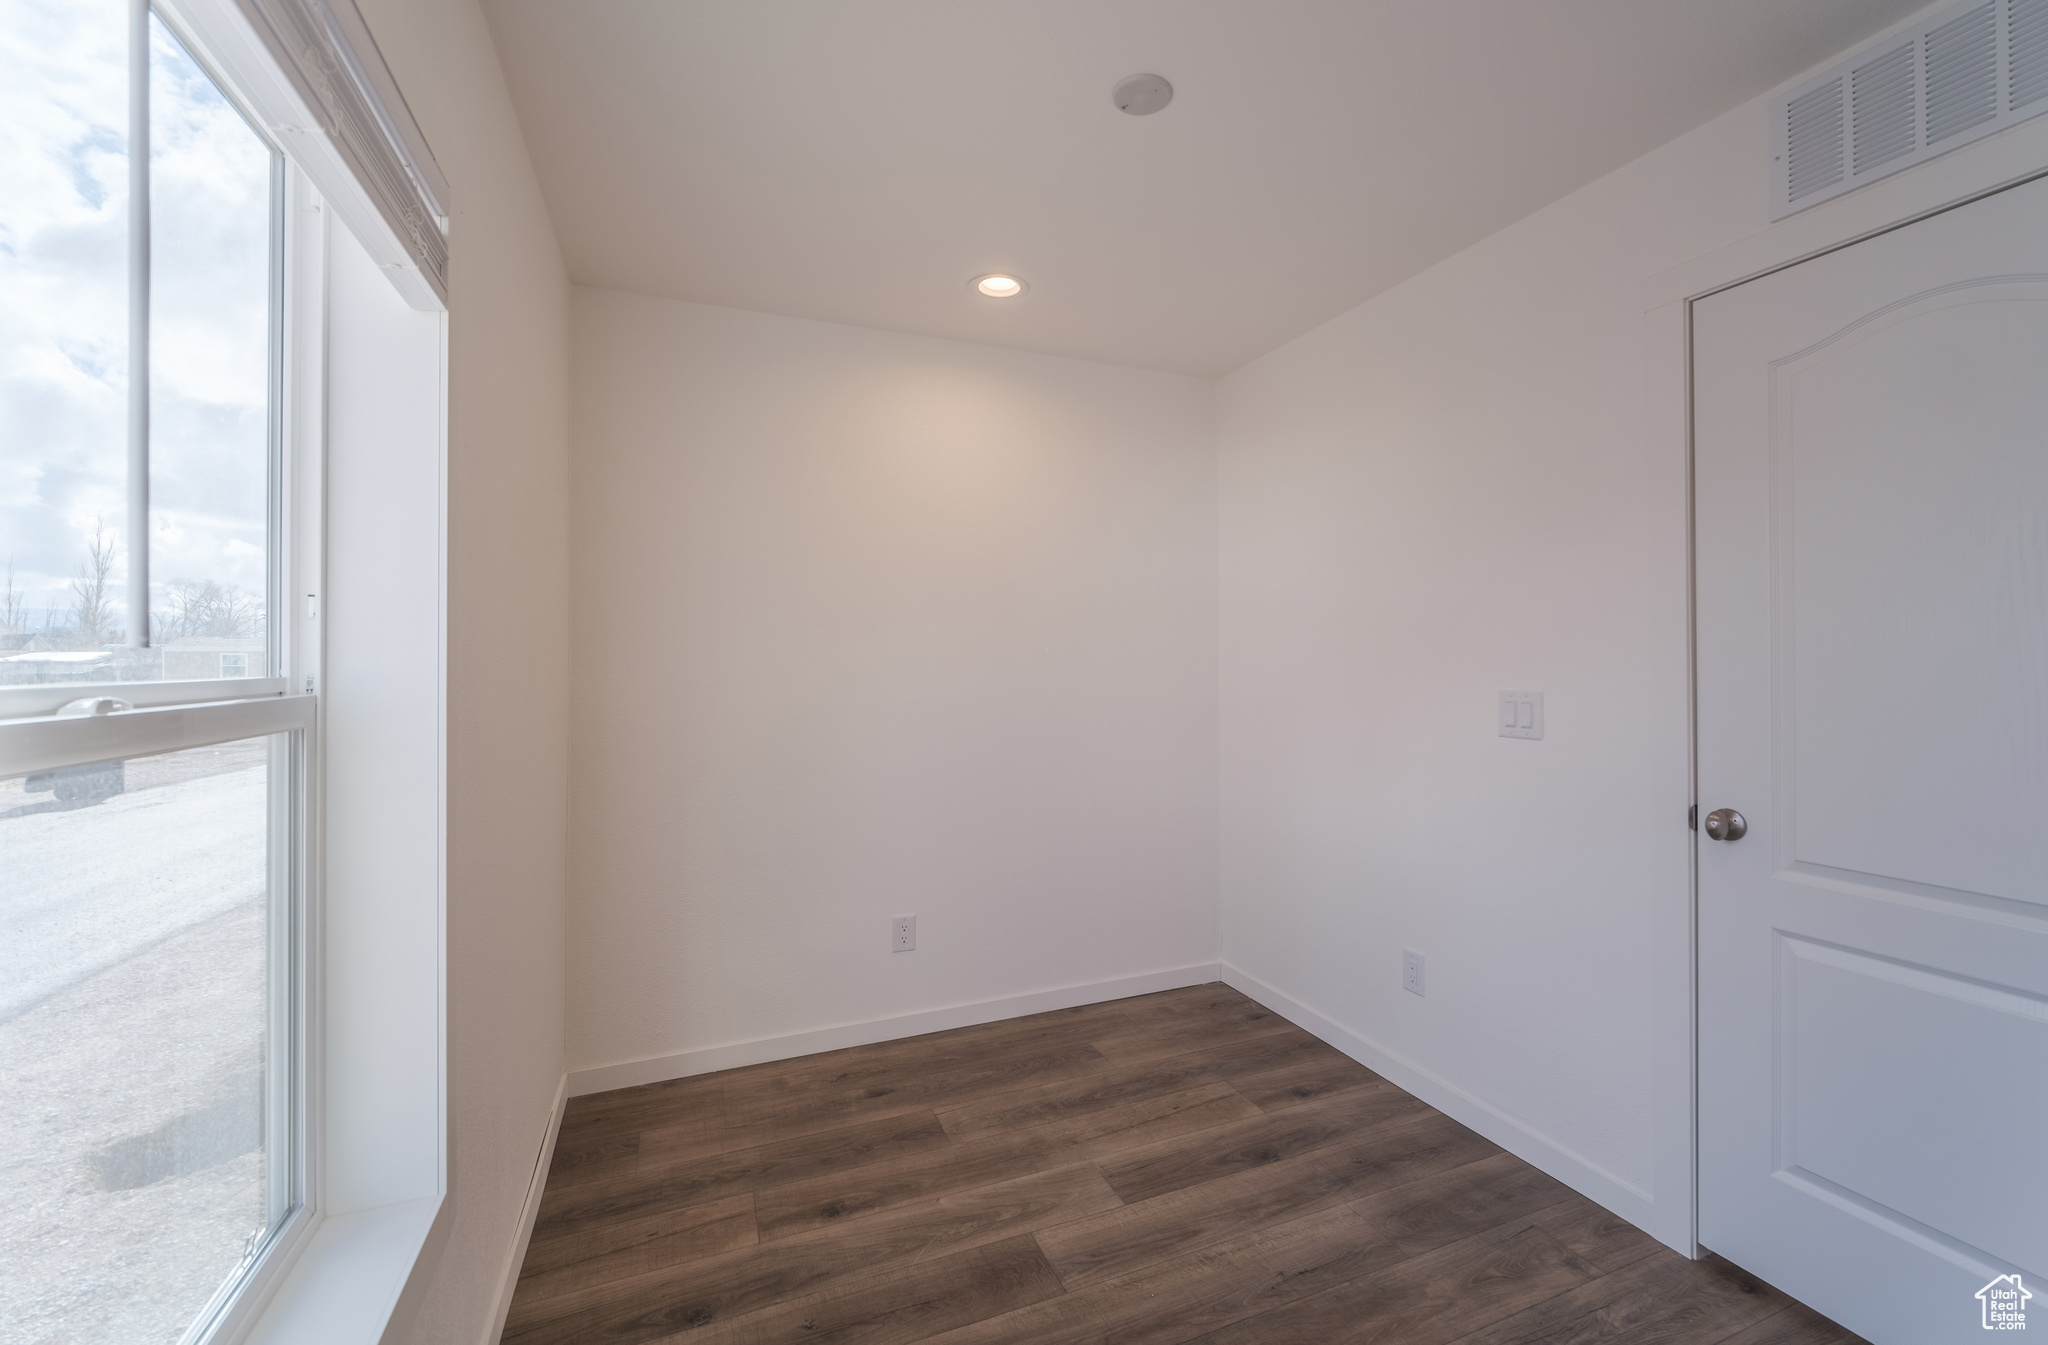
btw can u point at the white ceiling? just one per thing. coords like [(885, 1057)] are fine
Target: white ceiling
[(861, 160)]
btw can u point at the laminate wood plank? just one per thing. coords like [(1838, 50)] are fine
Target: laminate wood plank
[(1427, 1300), (1056, 1028), (1163, 1120), (1598, 1234), (1180, 1297), (1794, 1324), (1281, 1054), (764, 1167), (1101, 1247), (593, 1157), (721, 1288), (883, 1073), (934, 1088), (1040, 1101), (1168, 1008), (1249, 1273), (944, 1076), (895, 1063), (601, 1250), (1490, 1193), (660, 1147), (624, 1111), (1301, 1081), (912, 1304), (1259, 1053), (628, 1109), (844, 1071), (1085, 1020), (817, 1111), (1659, 1300), (1242, 1276), (1202, 1026), (1263, 1139), (729, 1101), (945, 1065), (846, 1196)]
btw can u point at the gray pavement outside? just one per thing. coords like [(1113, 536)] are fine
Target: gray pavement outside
[(133, 951)]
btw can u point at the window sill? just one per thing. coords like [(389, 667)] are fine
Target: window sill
[(345, 1284)]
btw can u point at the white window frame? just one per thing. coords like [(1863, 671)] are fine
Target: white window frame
[(365, 980), (169, 716), (50, 741)]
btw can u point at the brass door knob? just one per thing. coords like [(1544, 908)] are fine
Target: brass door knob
[(1725, 824)]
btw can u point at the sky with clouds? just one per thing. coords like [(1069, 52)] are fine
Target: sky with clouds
[(63, 308)]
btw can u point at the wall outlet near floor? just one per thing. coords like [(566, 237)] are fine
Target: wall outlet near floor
[(1521, 714), (903, 934), (1411, 972)]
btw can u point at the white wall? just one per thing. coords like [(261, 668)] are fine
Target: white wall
[(507, 563), (1475, 483), (1446, 493), (869, 624)]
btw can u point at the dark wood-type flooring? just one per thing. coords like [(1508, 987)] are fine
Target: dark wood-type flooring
[(1185, 1166)]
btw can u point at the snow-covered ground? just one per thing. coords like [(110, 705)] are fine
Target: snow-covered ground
[(133, 951)]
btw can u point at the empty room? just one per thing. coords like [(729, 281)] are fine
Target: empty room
[(1023, 672)]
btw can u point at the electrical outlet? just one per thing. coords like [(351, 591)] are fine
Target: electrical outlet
[(1521, 714), (903, 934), (1411, 972)]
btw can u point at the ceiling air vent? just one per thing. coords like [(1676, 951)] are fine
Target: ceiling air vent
[(1962, 73), (1882, 108), (1965, 72), (1813, 139), (2026, 28)]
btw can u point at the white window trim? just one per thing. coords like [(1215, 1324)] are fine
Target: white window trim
[(342, 1280), (223, 38), (47, 698), (47, 742)]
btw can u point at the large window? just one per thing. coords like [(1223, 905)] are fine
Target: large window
[(136, 361), (153, 774), (137, 1041)]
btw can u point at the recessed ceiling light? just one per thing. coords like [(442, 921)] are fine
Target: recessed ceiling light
[(998, 286), (1141, 95)]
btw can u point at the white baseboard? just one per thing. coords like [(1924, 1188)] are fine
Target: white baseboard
[(528, 1213), (1588, 1179), (654, 1069)]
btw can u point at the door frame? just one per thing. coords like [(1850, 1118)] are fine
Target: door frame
[(2007, 159)]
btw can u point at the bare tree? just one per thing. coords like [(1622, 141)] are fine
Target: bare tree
[(92, 593), (13, 604), (208, 607)]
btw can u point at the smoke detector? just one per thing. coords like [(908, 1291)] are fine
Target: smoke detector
[(1141, 95)]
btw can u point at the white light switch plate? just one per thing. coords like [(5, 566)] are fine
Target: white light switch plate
[(1521, 714)]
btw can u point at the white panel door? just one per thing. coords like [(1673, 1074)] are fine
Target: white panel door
[(1871, 435)]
